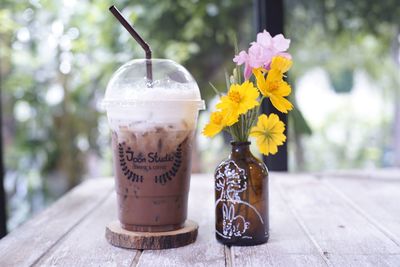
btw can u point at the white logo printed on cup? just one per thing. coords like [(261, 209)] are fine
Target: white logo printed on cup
[(131, 161)]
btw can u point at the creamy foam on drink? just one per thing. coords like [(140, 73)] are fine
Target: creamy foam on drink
[(154, 105), (152, 133)]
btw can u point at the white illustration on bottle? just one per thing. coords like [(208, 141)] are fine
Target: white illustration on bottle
[(231, 182), (233, 225)]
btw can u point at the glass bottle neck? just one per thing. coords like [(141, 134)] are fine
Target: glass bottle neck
[(240, 149)]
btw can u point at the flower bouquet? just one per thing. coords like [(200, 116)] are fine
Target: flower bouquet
[(241, 181)]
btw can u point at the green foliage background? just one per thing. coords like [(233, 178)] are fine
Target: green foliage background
[(56, 59), (342, 38)]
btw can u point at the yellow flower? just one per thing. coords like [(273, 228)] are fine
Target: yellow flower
[(218, 120), (268, 133), (281, 64), (274, 87), (239, 100)]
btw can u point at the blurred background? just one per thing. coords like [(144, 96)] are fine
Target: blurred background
[(56, 58)]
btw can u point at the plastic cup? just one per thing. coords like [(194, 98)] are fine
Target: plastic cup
[(152, 124)]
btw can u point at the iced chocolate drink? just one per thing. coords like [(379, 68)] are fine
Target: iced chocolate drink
[(152, 136), (152, 171)]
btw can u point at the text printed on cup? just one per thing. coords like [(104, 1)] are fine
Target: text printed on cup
[(132, 163)]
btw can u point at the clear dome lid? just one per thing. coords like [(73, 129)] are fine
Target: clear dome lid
[(171, 82)]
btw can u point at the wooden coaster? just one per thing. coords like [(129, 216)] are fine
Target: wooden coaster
[(119, 237)]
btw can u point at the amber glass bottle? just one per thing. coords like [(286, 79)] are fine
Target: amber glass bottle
[(241, 198)]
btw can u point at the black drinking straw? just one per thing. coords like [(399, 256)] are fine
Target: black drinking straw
[(138, 39)]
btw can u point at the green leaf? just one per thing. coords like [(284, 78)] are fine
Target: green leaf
[(300, 125), (215, 89)]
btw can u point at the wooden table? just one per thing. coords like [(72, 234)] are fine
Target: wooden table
[(330, 219)]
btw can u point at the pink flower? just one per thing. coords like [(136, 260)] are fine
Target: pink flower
[(280, 43), (277, 44), (264, 39), (262, 51), (258, 55), (243, 58)]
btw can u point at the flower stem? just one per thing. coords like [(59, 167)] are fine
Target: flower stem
[(242, 130), (260, 106)]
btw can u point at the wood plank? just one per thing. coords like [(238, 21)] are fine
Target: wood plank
[(345, 236), (288, 245), (86, 244), (359, 260), (376, 200), (389, 174), (25, 245), (206, 251)]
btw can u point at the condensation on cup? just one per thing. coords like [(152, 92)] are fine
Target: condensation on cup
[(152, 125)]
